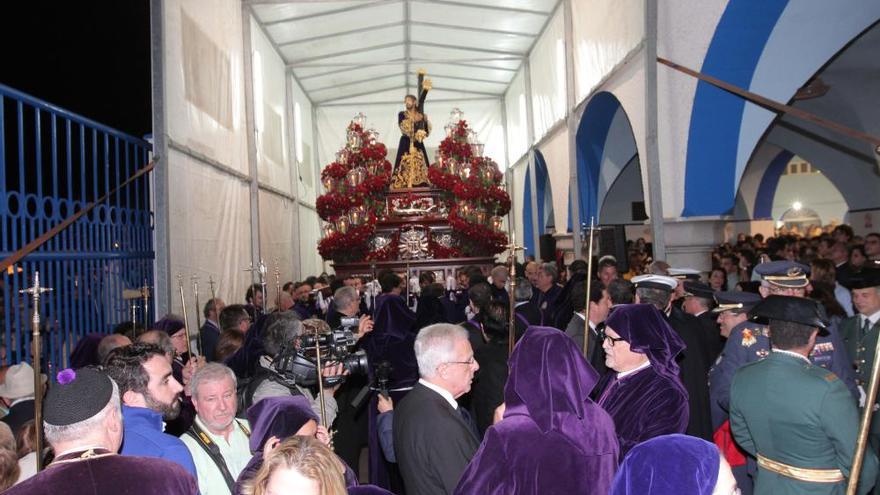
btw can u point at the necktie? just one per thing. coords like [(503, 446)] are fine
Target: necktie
[(466, 416), (866, 326)]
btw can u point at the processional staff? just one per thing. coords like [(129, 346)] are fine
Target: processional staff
[(195, 282), (35, 291), (213, 293), (185, 321), (263, 271), (277, 285), (865, 425), (145, 293), (589, 287), (511, 260)]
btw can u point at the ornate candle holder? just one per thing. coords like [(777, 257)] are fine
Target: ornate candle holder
[(342, 225), (356, 176), (455, 116), (497, 223), (360, 119), (329, 183)]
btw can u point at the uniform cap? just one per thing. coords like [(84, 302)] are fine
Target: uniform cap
[(698, 289), (865, 280), (734, 300), (652, 281), (784, 273), (789, 308), (684, 273)]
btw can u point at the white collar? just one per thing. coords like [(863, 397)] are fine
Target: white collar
[(23, 399), (873, 318), (642, 366), (521, 303), (792, 354), (701, 312), (442, 391), (583, 317)]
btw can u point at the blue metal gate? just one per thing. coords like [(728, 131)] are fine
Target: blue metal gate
[(53, 163)]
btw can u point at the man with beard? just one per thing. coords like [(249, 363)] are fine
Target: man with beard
[(149, 394)]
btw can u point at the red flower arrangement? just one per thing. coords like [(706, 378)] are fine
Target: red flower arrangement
[(366, 190)]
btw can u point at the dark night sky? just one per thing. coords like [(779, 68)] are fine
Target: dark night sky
[(89, 56)]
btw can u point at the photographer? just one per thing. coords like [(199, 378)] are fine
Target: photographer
[(272, 380)]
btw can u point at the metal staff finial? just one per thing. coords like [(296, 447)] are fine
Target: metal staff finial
[(185, 320), (145, 294), (263, 271), (211, 285), (277, 285), (589, 282), (35, 291), (195, 284), (512, 248)]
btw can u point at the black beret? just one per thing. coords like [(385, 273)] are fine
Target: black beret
[(78, 395), (789, 308)]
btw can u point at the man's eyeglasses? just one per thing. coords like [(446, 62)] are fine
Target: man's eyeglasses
[(604, 336), (469, 362)]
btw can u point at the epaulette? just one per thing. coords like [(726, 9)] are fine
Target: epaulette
[(830, 377)]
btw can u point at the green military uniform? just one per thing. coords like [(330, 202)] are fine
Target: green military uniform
[(798, 419), (787, 410)]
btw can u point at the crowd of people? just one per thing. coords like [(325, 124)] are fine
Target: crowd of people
[(749, 378)]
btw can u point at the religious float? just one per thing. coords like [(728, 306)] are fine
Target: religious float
[(412, 216)]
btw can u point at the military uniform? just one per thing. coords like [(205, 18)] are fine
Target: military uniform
[(784, 410), (796, 418)]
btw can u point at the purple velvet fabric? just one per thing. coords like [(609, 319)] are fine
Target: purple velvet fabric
[(86, 351), (367, 490), (553, 438), (279, 417), (116, 474), (652, 401), (646, 330), (669, 465)]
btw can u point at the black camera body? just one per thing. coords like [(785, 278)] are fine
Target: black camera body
[(337, 345)]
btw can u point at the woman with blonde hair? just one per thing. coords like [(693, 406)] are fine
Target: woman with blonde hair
[(299, 465)]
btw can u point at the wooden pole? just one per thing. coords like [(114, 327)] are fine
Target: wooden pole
[(589, 283)]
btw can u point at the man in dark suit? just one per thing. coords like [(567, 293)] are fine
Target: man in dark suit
[(210, 331), (17, 393), (434, 439)]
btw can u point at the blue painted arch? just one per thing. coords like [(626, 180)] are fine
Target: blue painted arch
[(605, 144), (771, 47), (544, 195), (763, 209)]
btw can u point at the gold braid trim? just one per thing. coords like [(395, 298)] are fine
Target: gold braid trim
[(801, 474)]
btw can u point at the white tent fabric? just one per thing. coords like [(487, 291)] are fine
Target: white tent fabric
[(555, 151), (547, 67), (517, 126)]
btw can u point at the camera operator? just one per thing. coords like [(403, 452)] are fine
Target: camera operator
[(346, 304), (284, 331)]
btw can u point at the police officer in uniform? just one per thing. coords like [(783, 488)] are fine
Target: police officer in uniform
[(750, 341), (796, 418)]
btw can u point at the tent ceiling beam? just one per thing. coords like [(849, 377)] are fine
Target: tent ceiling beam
[(366, 5), (365, 93), (358, 81), (349, 52), (397, 102), (496, 8), (470, 79), (465, 62), (364, 29), (517, 55), (345, 68), (472, 29)]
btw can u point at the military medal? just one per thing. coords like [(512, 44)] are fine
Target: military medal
[(748, 339)]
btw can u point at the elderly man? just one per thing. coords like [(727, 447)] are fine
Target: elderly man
[(217, 440), (499, 284), (83, 424), (150, 394), (642, 391), (109, 343), (796, 418), (434, 439), (17, 394), (695, 359)]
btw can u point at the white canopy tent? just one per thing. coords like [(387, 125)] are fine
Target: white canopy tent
[(256, 95)]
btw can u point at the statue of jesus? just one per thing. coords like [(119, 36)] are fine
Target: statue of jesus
[(411, 164)]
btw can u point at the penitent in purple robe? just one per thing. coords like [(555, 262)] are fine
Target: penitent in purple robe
[(652, 401), (553, 438)]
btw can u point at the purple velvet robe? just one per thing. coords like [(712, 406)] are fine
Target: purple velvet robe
[(553, 438), (116, 474), (651, 401), (669, 464)]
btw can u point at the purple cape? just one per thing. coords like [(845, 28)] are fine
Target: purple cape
[(117, 474), (669, 464), (553, 438), (653, 401), (279, 417)]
